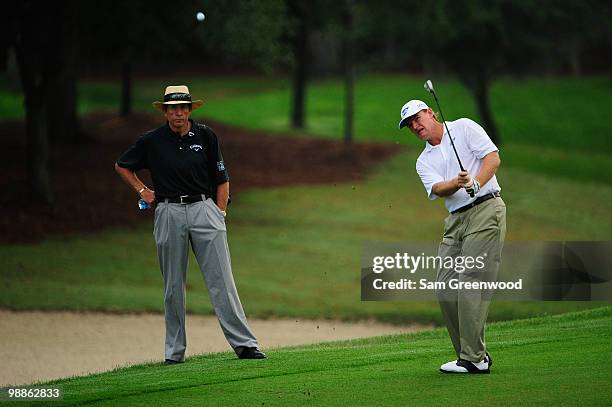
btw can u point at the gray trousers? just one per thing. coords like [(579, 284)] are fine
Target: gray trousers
[(477, 232), (202, 224)]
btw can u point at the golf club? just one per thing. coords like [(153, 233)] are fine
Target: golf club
[(428, 85)]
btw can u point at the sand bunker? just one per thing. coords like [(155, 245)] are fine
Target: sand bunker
[(39, 346)]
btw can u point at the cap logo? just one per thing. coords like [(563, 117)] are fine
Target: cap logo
[(404, 111)]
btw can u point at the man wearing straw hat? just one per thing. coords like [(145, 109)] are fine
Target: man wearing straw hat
[(191, 189)]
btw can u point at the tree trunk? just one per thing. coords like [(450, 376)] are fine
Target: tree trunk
[(300, 74), (62, 116), (32, 49), (478, 85), (37, 147), (5, 47), (126, 88), (62, 60), (573, 49), (349, 71)]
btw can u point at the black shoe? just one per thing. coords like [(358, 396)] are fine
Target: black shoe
[(172, 362), (481, 367), (249, 353), (465, 366), (488, 359)]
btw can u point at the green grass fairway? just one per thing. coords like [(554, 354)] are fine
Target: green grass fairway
[(551, 361), (296, 251)]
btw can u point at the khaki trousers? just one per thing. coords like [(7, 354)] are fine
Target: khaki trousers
[(477, 233), (202, 225)]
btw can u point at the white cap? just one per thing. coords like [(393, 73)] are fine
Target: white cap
[(410, 109)]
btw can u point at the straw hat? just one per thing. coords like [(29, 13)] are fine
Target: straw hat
[(176, 95)]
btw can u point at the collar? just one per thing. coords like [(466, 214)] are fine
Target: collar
[(190, 133), (429, 147)]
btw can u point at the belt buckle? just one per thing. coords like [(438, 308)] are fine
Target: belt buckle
[(181, 198)]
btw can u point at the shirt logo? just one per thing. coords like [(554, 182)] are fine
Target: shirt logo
[(220, 166), (195, 147)]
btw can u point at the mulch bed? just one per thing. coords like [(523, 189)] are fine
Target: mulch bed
[(90, 196)]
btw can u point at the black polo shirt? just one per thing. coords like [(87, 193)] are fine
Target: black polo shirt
[(180, 165)]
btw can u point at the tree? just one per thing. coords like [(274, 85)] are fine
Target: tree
[(353, 17), (339, 20), (48, 38), (348, 68), (61, 104), (301, 13), (470, 39), (132, 31), (572, 26), (34, 49), (479, 40), (245, 33), (263, 35)]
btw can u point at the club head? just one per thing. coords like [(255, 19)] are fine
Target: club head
[(428, 86)]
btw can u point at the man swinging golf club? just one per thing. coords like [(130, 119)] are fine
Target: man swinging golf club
[(459, 164)]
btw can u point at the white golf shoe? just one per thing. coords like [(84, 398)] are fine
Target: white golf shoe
[(465, 366)]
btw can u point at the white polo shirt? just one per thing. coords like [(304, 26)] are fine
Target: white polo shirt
[(438, 163)]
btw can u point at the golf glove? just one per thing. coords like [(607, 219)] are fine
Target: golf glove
[(473, 187)]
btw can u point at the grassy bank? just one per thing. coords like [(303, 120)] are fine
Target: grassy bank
[(296, 251)]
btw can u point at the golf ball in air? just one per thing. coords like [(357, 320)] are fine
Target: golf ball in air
[(200, 16)]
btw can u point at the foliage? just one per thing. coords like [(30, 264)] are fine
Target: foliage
[(250, 33), (153, 30)]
